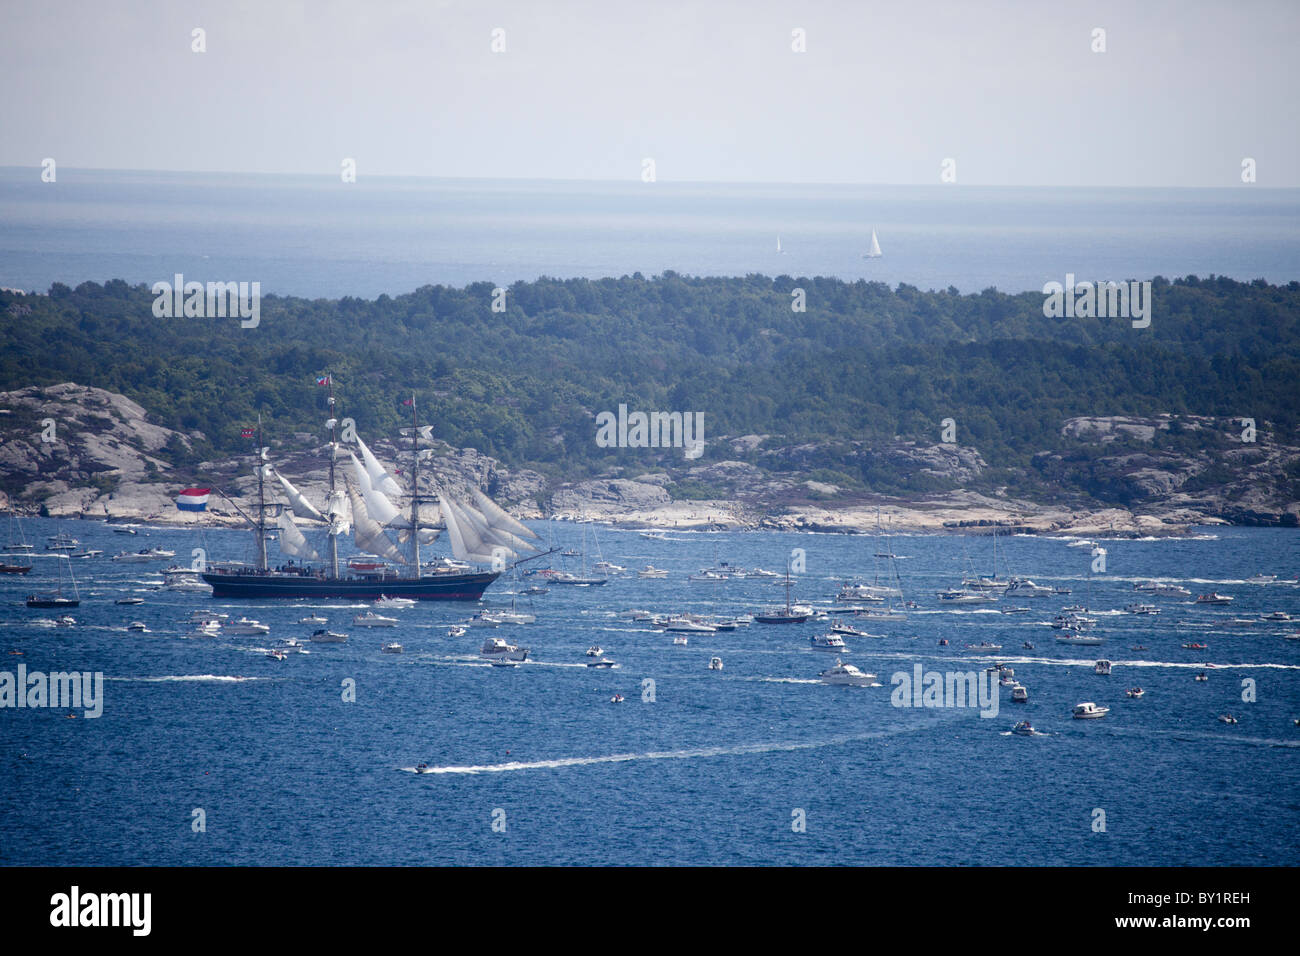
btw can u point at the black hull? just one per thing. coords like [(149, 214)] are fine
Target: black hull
[(432, 587)]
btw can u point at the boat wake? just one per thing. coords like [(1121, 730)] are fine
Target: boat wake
[(214, 678)]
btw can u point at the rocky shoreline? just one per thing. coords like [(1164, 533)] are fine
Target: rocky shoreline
[(103, 459)]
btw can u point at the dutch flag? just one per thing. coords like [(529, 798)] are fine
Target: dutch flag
[(193, 499)]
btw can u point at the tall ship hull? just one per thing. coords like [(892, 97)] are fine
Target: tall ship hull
[(430, 587)]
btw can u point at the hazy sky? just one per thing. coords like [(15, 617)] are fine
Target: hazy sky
[(711, 91)]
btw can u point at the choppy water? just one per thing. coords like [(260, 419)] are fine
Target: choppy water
[(713, 770), (315, 236)]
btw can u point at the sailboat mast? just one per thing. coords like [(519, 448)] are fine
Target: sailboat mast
[(262, 562), (334, 447), (415, 487)]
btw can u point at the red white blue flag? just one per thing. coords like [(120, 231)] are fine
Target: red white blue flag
[(193, 499), (324, 380)]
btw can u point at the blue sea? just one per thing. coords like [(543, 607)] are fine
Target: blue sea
[(315, 236), (717, 769)]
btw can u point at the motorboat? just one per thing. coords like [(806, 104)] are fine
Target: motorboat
[(514, 617), (324, 636), (86, 553), (138, 627), (984, 646), (1142, 609), (393, 648), (979, 583), (497, 649), (371, 619), (211, 629), (423, 768), (608, 567), (1162, 588), (457, 630), (200, 616), (1019, 694), (1014, 610), (1078, 637), (616, 699), (1195, 646), (394, 602), (1214, 597), (1089, 711), (66, 620), (1024, 729), (276, 654), (14, 568), (1202, 676), (1028, 646), (1280, 616), (1135, 692), (1102, 667), (602, 662), (1261, 579), (762, 573), (1227, 719), (129, 601), (681, 640), (715, 663), (965, 596), (1072, 622), (846, 675), (61, 542), (839, 627), (595, 650), (313, 619), (1023, 587), (143, 556), (535, 589), (654, 535), (246, 627), (687, 625), (828, 642), (650, 571), (867, 592)]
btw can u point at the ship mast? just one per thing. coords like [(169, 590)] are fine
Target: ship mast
[(334, 448), (415, 488), (262, 563)]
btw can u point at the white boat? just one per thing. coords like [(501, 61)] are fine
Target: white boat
[(761, 573), (1214, 597), (686, 625), (1135, 692), (1277, 616), (681, 640), (456, 630), (1142, 609), (846, 675), (1162, 589), (602, 662), (313, 619), (1227, 719), (847, 630), (867, 592), (1023, 587), (138, 627), (205, 630), (246, 627), (1102, 667), (874, 251), (1089, 711), (323, 636), (129, 600), (61, 542), (1261, 579), (66, 621), (393, 648), (654, 536), (608, 567), (828, 642), (276, 654), (1024, 729), (715, 663), (144, 555), (1077, 637), (595, 651), (497, 649), (514, 617), (371, 619), (964, 596), (1019, 694), (394, 602)]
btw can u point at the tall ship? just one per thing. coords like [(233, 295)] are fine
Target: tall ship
[(480, 532)]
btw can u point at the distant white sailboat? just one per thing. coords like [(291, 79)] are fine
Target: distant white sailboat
[(874, 252), (779, 250)]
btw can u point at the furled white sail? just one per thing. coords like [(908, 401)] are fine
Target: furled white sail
[(368, 535), (302, 508), (499, 518), (292, 541), (380, 479)]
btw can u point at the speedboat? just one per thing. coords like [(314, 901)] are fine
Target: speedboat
[(247, 627), (761, 573), (654, 536), (86, 553), (1015, 610), (650, 571), (984, 646), (66, 620), (616, 699), (394, 602), (1163, 589), (371, 619), (209, 629), (144, 555), (1135, 692), (457, 630), (839, 627), (276, 654), (604, 662), (1261, 579), (1142, 609), (828, 642), (715, 663), (393, 648), (681, 640), (1076, 637), (964, 596), (534, 589), (1102, 667), (497, 649), (1227, 719), (1277, 616), (1089, 711), (327, 637), (1023, 587), (129, 600), (313, 619), (423, 768), (1024, 729), (1214, 597), (201, 616), (1027, 646), (608, 567), (1194, 646), (61, 542), (1139, 647), (595, 650), (686, 625), (1019, 694), (846, 675), (1202, 676), (138, 627), (514, 617)]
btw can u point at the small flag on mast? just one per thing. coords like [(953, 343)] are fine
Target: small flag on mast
[(246, 432), (324, 380), (409, 401)]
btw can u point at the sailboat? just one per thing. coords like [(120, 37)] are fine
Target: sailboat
[(57, 599), (779, 250), (787, 614), (893, 589), (874, 252), (17, 545), (583, 579), (481, 533)]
